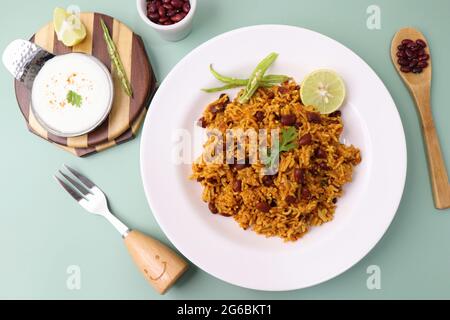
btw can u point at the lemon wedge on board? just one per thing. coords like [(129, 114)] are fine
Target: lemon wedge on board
[(68, 27)]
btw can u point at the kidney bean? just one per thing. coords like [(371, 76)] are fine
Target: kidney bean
[(306, 195), (405, 69), (422, 64), (167, 23), (202, 122), (240, 166), (162, 11), (299, 175), (151, 7), (403, 61), (410, 53), (401, 47), (305, 140), (212, 207), (424, 57), (401, 54), (406, 41), (283, 90), (290, 200), (166, 1), (335, 114), (324, 166), (162, 20), (313, 117), (227, 215), (320, 153), (417, 70), (215, 109), (267, 180), (263, 207), (177, 18), (153, 16), (421, 43), (171, 13), (288, 120), (177, 3), (413, 63), (237, 186), (186, 7), (168, 6), (259, 116)]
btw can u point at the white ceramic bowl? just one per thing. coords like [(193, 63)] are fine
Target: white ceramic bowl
[(70, 121), (173, 32)]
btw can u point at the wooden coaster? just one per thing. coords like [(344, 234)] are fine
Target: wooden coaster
[(126, 113), (124, 137)]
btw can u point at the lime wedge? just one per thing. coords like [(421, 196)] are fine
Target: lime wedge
[(68, 27), (323, 89)]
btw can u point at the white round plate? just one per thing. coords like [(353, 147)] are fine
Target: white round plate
[(217, 244)]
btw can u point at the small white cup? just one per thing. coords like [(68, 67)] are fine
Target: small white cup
[(173, 32)]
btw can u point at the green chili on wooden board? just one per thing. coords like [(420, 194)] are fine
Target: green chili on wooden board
[(115, 57)]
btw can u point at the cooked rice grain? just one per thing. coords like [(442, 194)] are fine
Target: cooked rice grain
[(316, 198)]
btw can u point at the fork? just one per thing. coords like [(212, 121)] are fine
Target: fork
[(159, 264)]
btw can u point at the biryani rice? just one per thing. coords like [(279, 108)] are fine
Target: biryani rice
[(324, 174)]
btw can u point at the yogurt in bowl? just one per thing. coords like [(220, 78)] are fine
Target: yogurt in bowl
[(72, 94)]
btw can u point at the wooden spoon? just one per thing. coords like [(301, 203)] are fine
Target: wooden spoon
[(419, 85)]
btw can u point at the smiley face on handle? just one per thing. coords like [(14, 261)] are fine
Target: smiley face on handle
[(164, 263)]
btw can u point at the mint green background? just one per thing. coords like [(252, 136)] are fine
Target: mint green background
[(42, 230)]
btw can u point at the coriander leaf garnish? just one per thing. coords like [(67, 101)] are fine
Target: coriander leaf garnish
[(288, 142), (74, 98)]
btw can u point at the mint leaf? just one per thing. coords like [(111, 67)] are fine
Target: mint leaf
[(74, 98)]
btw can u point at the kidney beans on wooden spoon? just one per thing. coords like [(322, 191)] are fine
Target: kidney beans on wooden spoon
[(412, 56)]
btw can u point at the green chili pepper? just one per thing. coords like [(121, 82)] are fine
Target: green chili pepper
[(255, 78), (114, 54), (266, 81)]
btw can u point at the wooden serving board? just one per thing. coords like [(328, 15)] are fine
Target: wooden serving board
[(127, 114)]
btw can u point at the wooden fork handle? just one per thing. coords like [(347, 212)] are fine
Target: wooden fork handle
[(436, 163), (160, 265)]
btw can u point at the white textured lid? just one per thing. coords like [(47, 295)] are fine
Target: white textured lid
[(24, 59), (17, 55)]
